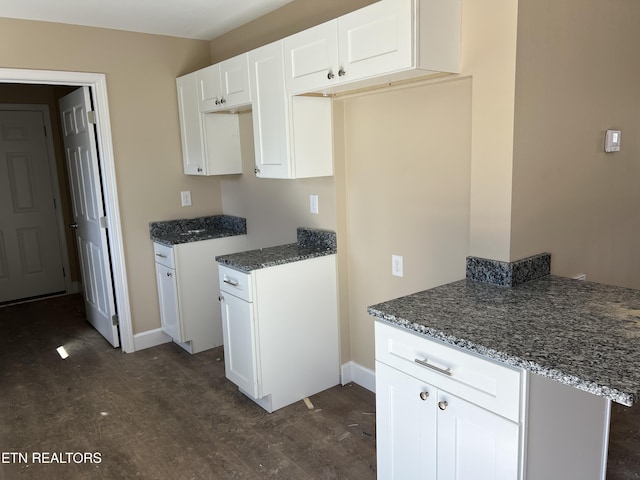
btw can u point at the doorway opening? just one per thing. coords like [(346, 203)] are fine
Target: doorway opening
[(96, 84)]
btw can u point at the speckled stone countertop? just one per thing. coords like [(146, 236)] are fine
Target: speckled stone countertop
[(173, 232), (582, 334), (310, 243)]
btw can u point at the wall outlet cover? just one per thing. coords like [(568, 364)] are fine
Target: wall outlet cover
[(186, 198)]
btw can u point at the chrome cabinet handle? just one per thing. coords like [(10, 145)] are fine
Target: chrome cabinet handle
[(223, 101), (424, 395), (169, 274), (341, 72), (233, 283), (199, 169), (425, 363), (73, 225), (256, 171), (220, 298), (330, 75), (442, 405), (161, 255)]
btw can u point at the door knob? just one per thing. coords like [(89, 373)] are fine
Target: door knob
[(73, 225)]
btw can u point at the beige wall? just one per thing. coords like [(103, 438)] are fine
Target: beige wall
[(489, 30), (274, 208), (141, 72), (577, 75), (407, 178)]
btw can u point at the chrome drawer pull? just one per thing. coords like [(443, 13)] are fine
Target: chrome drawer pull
[(233, 283), (161, 255), (424, 363)]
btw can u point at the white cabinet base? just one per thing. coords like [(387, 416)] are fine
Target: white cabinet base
[(190, 310), (291, 322), (558, 431)]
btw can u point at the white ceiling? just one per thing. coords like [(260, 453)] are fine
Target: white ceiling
[(197, 19)]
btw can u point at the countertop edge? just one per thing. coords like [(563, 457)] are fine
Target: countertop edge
[(170, 242), (248, 268), (613, 394)]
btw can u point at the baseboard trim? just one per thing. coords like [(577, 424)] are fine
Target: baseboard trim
[(150, 338), (353, 372)]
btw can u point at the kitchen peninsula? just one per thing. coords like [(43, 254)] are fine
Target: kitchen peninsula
[(545, 358)]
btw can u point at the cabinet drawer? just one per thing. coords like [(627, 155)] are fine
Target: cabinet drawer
[(483, 382), (235, 282), (164, 255)]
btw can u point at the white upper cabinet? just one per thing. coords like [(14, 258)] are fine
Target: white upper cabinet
[(225, 85), (401, 38), (311, 58), (210, 141), (386, 41), (191, 128), (292, 135)]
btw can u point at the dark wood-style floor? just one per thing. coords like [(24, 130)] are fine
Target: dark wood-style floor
[(164, 414), (159, 413)]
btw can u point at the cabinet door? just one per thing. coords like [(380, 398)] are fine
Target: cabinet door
[(234, 82), (238, 331), (209, 90), (168, 297), (191, 125), (311, 58), (270, 112), (474, 444), (376, 39), (405, 421)]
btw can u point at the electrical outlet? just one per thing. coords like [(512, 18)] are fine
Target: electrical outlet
[(186, 198), (313, 203), (396, 265)]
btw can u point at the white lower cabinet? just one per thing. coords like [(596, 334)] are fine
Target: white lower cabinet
[(280, 330), (448, 414), (473, 443), (168, 298), (426, 429), (238, 327), (185, 274)]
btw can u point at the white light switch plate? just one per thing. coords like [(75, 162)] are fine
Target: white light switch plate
[(396, 265), (186, 198), (313, 203)]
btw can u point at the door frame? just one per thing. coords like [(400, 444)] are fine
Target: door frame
[(97, 83), (70, 287)]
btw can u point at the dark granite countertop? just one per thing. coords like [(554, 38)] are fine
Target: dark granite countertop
[(173, 232), (582, 334), (310, 243)]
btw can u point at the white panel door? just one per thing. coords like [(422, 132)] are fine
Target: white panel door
[(168, 297), (270, 112), (376, 39), (191, 125), (88, 209), (311, 58), (475, 444), (406, 423), (30, 255), (239, 338), (234, 81)]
